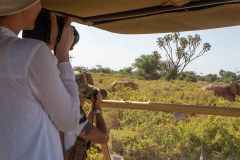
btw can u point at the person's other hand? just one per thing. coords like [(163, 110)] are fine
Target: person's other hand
[(63, 47)]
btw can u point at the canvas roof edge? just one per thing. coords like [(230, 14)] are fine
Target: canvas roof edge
[(181, 16), (217, 17)]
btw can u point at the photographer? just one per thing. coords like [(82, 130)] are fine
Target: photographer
[(39, 95), (85, 128), (76, 143)]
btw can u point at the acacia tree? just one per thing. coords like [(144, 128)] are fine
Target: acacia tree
[(180, 51)]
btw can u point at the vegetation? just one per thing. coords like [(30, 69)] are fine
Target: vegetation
[(126, 71), (149, 135), (96, 69), (223, 76), (149, 66), (179, 52), (227, 76)]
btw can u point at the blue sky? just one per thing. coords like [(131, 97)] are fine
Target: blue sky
[(99, 47)]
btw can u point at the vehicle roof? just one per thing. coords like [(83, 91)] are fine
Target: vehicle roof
[(150, 16)]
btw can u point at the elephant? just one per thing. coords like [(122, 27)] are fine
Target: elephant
[(128, 84), (229, 91)]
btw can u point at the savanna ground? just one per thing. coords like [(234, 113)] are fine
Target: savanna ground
[(150, 135)]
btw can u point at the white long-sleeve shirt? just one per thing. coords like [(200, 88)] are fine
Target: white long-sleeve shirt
[(38, 97)]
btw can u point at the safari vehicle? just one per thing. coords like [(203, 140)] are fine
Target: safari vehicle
[(153, 16)]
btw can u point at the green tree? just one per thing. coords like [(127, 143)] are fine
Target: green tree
[(101, 69), (227, 76), (80, 68), (211, 78), (126, 71), (148, 66), (188, 76), (180, 51)]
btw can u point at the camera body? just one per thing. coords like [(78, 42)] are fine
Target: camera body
[(42, 29)]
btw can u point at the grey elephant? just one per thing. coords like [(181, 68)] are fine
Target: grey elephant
[(228, 91)]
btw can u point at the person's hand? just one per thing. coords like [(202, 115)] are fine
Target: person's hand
[(63, 47), (54, 31), (96, 100)]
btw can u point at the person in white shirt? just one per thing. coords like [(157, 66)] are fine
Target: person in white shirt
[(85, 130), (39, 95)]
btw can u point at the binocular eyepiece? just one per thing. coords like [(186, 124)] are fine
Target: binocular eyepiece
[(103, 93)]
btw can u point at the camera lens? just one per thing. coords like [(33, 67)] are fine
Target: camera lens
[(76, 37)]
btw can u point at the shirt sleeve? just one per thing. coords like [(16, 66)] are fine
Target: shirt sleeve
[(55, 88), (70, 137)]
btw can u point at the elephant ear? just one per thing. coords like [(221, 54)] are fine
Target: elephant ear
[(233, 88)]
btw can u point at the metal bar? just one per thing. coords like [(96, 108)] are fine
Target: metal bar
[(179, 108)]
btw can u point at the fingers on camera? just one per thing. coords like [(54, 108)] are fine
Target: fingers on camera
[(68, 21)]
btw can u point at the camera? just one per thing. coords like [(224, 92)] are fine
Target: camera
[(42, 29)]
